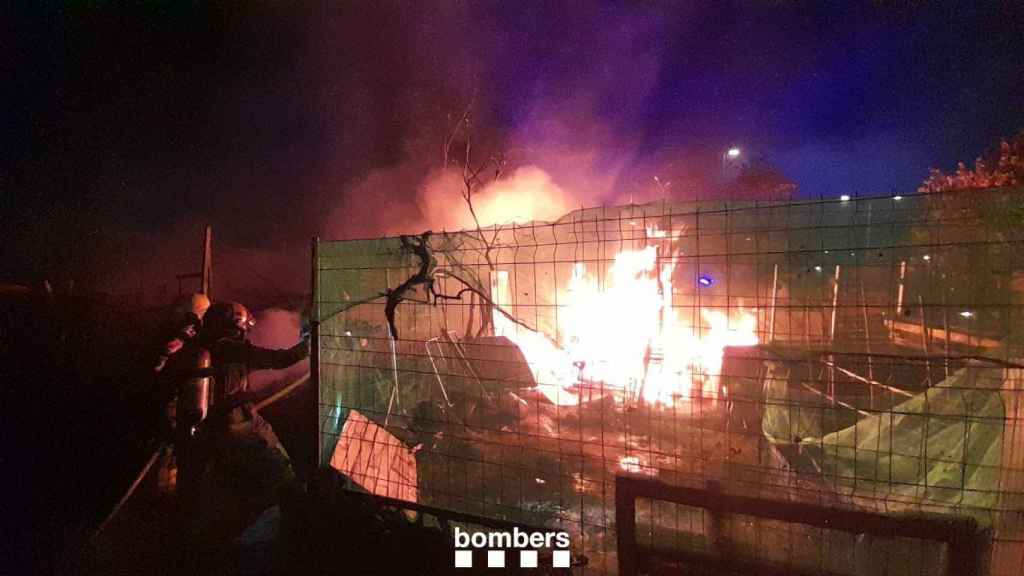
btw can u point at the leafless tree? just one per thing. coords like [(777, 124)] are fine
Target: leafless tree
[(426, 276), (476, 177)]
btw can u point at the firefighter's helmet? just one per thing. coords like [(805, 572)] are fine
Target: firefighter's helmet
[(190, 309), (227, 319)]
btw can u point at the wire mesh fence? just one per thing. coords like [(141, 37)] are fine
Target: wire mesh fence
[(862, 354)]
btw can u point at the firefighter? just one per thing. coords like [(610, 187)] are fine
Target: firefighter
[(225, 335), (242, 466), (176, 354), (183, 325)]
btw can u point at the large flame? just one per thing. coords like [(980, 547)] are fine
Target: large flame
[(629, 336)]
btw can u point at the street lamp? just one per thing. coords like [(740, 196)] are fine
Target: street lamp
[(729, 158)]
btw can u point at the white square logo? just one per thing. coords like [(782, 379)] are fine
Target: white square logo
[(495, 558), (560, 559), (463, 558), (527, 558)]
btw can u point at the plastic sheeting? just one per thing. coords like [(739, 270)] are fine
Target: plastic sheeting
[(938, 450)]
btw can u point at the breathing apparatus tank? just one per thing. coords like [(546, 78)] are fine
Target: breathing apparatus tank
[(194, 394)]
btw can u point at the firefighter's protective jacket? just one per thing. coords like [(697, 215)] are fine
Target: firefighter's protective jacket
[(234, 359), (243, 466)]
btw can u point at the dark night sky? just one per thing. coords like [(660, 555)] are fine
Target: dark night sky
[(127, 128)]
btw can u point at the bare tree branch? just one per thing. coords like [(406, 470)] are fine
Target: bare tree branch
[(470, 288), (453, 131), (426, 275), (472, 182), (418, 246)]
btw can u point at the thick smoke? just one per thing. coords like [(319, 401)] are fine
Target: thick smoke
[(341, 135), (573, 141), (276, 328), (275, 124)]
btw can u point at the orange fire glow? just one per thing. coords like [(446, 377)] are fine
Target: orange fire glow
[(629, 336), (528, 194)]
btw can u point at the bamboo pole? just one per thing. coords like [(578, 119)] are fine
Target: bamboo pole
[(925, 339), (775, 293), (867, 343), (394, 399), (835, 305), (832, 336), (834, 401), (867, 329), (872, 382), (945, 328), (899, 294), (900, 328)]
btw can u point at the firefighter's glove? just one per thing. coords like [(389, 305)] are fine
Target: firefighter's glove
[(306, 345)]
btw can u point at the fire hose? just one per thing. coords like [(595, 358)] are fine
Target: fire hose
[(282, 393), (155, 456), (131, 489)]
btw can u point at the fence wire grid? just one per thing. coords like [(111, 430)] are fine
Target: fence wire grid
[(863, 354)]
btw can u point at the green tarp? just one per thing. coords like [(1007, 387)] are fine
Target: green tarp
[(937, 451)]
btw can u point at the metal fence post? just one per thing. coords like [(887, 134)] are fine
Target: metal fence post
[(314, 355), (625, 526)]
